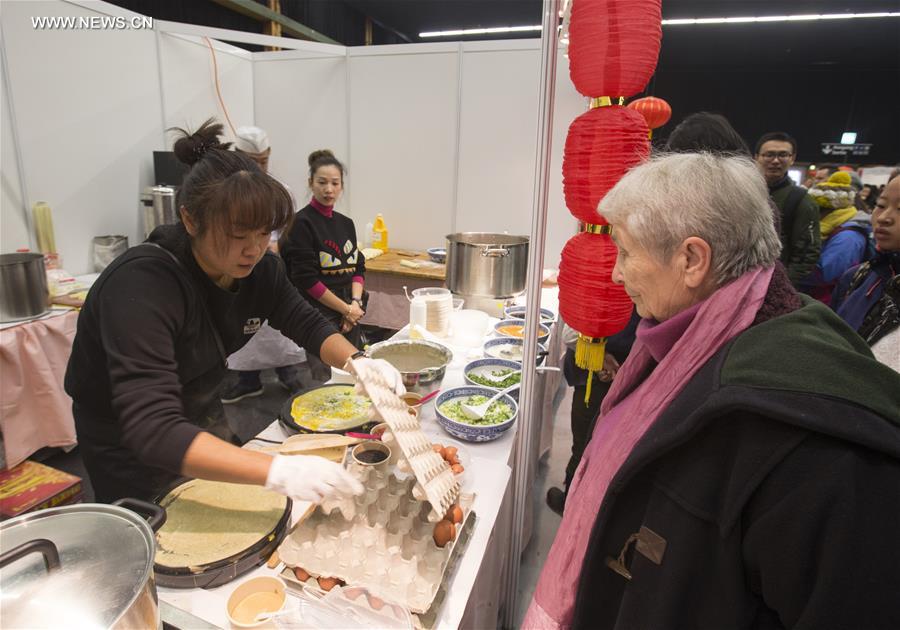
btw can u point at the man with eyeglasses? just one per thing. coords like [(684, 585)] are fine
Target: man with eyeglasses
[(801, 241)]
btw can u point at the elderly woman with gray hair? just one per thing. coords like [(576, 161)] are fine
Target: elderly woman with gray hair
[(744, 470)]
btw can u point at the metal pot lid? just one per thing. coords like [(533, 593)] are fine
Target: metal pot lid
[(486, 238), (105, 559)]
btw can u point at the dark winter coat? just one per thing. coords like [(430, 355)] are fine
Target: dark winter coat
[(765, 496), (149, 355)]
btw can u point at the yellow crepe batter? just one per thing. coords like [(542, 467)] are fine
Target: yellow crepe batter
[(334, 408)]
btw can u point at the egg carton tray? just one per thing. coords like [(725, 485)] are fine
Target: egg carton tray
[(436, 483), (382, 540)]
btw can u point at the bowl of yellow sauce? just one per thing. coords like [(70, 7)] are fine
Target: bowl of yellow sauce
[(516, 328)]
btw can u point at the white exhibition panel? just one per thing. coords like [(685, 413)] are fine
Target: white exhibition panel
[(87, 121), (498, 135), (403, 141), (497, 140), (301, 102), (14, 224), (439, 138), (188, 85)]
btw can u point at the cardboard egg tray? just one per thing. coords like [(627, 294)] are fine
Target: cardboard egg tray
[(381, 539), (436, 483)]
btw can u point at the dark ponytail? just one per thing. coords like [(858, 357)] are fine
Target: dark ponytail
[(226, 188), (323, 157)]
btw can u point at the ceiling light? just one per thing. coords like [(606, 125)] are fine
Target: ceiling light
[(677, 22), (778, 18), (481, 31)]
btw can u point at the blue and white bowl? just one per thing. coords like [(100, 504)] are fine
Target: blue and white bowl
[(472, 432), (493, 349), (438, 254), (518, 312), (543, 332), (486, 365)]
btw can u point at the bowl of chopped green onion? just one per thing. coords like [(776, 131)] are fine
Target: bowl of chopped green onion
[(494, 373), (450, 415)]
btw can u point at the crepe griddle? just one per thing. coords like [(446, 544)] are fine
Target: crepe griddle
[(362, 425), (219, 572)]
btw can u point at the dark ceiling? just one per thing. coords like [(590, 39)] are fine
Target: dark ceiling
[(811, 79)]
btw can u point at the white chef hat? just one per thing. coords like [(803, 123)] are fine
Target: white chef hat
[(251, 140)]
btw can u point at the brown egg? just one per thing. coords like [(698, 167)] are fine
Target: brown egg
[(300, 574), (353, 593), (376, 603), (328, 583), (457, 469), (454, 514), (273, 560), (443, 533), (453, 460), (437, 448), (443, 453), (450, 454)]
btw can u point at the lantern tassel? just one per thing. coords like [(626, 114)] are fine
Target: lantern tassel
[(589, 352)]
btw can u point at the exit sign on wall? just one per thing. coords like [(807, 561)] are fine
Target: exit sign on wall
[(836, 148)]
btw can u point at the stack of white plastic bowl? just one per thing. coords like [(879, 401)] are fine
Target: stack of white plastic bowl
[(438, 307)]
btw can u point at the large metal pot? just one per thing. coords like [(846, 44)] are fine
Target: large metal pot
[(482, 264), (23, 286), (86, 565)]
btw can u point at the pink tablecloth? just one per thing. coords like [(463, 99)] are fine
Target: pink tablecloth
[(388, 305), (34, 410)]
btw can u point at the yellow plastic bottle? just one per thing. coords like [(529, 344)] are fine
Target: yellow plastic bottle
[(379, 234)]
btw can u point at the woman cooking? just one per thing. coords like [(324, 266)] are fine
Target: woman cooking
[(321, 255), (150, 348), (743, 471)]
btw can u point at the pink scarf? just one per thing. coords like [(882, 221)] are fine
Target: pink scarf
[(633, 404)]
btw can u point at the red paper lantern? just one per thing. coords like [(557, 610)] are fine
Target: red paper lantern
[(589, 301), (613, 45), (655, 111), (601, 146)]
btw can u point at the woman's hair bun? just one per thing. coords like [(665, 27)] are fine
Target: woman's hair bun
[(315, 156), (190, 147)]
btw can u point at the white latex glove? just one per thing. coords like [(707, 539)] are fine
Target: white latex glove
[(385, 369), (310, 478)]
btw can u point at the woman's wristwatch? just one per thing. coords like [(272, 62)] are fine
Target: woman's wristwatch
[(358, 301)]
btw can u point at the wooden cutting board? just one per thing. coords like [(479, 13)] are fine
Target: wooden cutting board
[(328, 446), (391, 262)]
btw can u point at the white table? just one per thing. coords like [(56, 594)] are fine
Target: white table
[(474, 589)]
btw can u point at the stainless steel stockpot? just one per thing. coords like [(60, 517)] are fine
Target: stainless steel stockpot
[(87, 566), (483, 264), (23, 286)]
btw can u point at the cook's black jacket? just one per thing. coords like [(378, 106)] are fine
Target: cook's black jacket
[(774, 479), (145, 362)]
